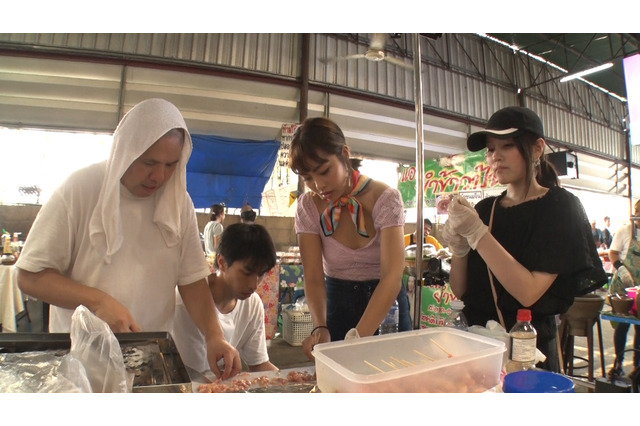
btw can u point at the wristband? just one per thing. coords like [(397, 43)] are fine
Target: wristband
[(617, 264), (318, 327)]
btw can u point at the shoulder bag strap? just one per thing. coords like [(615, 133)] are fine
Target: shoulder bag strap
[(493, 287)]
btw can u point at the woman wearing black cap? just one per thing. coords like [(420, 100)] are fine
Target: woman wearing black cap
[(529, 247)]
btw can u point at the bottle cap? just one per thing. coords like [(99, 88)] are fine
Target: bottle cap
[(524, 315), (457, 304)]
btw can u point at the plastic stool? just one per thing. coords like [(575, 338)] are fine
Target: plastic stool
[(578, 321)]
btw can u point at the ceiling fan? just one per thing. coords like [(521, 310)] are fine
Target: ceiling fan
[(375, 53)]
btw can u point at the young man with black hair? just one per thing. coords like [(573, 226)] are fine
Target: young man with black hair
[(245, 254)]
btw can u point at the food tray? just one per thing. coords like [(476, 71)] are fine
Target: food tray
[(292, 380), (151, 356), (410, 361)]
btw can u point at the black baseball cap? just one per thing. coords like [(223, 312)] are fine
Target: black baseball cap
[(507, 123)]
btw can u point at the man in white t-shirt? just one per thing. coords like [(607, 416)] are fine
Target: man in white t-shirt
[(119, 236), (626, 262), (246, 252)]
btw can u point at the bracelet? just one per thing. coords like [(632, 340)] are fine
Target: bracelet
[(318, 327), (617, 264)]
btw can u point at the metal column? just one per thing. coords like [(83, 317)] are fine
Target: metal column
[(417, 77)]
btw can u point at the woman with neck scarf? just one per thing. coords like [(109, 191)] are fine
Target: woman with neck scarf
[(350, 230), (118, 237)]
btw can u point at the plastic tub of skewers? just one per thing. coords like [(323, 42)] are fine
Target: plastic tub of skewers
[(428, 360)]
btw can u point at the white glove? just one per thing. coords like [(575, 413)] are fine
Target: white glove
[(625, 276), (352, 334), (458, 245), (465, 221)]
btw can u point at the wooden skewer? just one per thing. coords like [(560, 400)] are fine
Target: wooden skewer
[(402, 362), (423, 355), (449, 354), (398, 361), (390, 364), (373, 366)]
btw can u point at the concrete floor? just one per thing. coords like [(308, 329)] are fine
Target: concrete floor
[(285, 356)]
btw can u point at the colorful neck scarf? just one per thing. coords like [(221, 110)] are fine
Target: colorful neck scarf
[(331, 216)]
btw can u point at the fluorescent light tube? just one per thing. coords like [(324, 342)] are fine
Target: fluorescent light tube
[(586, 72)]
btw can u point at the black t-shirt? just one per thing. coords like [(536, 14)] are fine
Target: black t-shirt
[(607, 237), (549, 234)]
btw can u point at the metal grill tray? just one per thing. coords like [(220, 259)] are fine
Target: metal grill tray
[(151, 356)]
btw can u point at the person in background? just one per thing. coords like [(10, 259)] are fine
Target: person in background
[(625, 259), (247, 214), (410, 239), (350, 232), (245, 254), (119, 236), (607, 237), (355, 163), (596, 233), (213, 229), (531, 245)]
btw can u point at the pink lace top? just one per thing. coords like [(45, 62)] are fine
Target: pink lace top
[(343, 262)]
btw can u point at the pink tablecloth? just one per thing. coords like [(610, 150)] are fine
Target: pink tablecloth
[(268, 292)]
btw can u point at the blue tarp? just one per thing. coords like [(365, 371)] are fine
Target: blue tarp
[(230, 171)]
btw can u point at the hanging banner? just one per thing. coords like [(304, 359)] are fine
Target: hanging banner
[(283, 174), (466, 173), (283, 181)]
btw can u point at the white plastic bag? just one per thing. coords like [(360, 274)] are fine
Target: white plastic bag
[(497, 331), (96, 347)]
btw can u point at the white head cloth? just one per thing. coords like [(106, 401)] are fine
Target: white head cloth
[(140, 128)]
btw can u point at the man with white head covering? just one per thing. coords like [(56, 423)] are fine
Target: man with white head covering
[(119, 235)]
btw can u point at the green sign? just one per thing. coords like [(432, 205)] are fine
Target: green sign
[(456, 173)]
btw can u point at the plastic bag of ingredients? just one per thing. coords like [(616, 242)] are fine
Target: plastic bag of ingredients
[(299, 305), (496, 331), (95, 346)]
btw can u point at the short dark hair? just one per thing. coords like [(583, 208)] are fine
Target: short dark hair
[(428, 222), (249, 216), (251, 242)]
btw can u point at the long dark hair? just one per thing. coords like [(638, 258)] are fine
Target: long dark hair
[(216, 211), (315, 137), (544, 173)]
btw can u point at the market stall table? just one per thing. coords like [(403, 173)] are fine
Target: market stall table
[(628, 319)]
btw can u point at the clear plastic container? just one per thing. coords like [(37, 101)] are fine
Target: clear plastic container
[(437, 359)]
